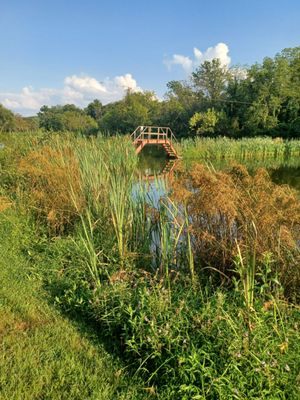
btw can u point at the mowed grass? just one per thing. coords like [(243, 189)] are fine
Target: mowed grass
[(43, 355)]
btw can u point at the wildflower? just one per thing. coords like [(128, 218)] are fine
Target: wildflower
[(287, 368), (283, 347)]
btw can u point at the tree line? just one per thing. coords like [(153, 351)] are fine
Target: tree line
[(263, 99)]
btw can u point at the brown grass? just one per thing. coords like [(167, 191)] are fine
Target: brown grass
[(4, 203), (53, 177), (233, 208)]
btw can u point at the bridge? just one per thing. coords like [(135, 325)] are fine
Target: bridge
[(158, 135)]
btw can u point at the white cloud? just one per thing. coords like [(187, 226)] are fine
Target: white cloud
[(185, 62), (79, 90), (27, 99), (220, 51), (127, 82), (85, 84)]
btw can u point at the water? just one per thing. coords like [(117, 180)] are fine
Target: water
[(153, 163), (285, 175), (155, 167)]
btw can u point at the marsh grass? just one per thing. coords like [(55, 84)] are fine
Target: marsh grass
[(188, 286), (230, 209), (213, 149)]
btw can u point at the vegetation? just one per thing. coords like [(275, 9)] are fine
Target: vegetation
[(44, 355), (250, 149), (197, 291)]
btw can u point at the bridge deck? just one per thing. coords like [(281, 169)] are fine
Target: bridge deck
[(144, 135)]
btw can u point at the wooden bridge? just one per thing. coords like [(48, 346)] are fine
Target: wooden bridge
[(164, 136)]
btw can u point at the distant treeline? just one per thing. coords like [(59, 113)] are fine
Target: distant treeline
[(263, 99)]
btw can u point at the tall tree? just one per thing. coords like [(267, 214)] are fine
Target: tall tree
[(94, 109), (210, 81)]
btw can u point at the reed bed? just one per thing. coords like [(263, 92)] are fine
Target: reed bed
[(190, 285), (240, 150)]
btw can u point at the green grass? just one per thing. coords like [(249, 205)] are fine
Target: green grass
[(252, 152), (44, 355), (182, 330)]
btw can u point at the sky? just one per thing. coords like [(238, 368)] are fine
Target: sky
[(71, 51)]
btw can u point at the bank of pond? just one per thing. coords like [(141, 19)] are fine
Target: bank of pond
[(191, 279)]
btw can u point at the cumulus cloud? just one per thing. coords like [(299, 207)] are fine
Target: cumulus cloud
[(185, 62), (27, 98), (79, 90), (220, 51), (127, 82), (85, 84)]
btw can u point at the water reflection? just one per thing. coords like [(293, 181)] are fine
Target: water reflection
[(289, 176), (154, 164)]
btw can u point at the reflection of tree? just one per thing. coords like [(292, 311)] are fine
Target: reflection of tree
[(289, 176), (166, 171)]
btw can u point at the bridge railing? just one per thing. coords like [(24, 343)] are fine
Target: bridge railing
[(153, 132)]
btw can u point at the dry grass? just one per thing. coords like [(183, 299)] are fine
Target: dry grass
[(52, 177), (4, 203), (230, 209)]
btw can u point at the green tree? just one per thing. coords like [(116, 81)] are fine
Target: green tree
[(7, 119), (125, 115), (66, 118), (78, 122), (178, 107), (94, 109), (208, 122), (210, 80)]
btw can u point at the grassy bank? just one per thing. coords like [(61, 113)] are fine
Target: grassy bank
[(250, 150), (197, 293), (43, 354)]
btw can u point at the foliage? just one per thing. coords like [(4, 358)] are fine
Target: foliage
[(210, 80), (201, 348), (124, 116), (206, 122), (189, 289), (7, 122), (94, 109), (66, 118)]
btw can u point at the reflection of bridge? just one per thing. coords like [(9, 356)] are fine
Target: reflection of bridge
[(144, 135), (167, 171)]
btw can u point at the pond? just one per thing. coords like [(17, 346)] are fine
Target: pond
[(153, 162)]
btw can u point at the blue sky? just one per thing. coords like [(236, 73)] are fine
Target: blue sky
[(73, 51)]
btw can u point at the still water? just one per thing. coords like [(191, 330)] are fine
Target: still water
[(154, 163)]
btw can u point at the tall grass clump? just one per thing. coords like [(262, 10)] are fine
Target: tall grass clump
[(48, 173), (114, 225), (15, 146), (237, 215), (246, 150)]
